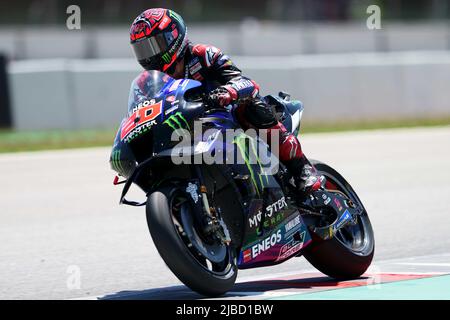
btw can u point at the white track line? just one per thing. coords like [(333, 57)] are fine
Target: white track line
[(276, 275), (258, 294), (437, 264)]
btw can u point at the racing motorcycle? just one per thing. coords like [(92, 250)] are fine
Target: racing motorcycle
[(209, 220)]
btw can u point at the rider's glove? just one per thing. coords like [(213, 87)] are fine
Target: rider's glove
[(222, 96)]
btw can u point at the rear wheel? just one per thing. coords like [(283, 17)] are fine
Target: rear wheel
[(350, 252), (205, 266)]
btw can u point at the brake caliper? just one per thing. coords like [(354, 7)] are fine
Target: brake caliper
[(212, 225)]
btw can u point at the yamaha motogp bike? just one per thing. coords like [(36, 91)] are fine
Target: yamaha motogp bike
[(209, 220)]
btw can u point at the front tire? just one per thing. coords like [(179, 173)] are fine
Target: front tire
[(168, 228), (349, 254)]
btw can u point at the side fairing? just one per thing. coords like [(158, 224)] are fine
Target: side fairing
[(274, 229), (122, 159)]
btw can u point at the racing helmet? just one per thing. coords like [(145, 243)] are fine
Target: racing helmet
[(158, 38)]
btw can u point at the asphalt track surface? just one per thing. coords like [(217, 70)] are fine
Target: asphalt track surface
[(64, 236)]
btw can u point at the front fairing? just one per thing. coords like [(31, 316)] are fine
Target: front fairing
[(156, 107)]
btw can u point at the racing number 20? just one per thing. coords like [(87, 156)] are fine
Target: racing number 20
[(141, 116)]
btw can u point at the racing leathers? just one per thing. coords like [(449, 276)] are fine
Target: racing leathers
[(226, 84)]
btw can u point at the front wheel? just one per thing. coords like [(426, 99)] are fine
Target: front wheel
[(349, 253), (205, 266)]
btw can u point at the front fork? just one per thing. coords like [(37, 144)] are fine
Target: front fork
[(210, 220)]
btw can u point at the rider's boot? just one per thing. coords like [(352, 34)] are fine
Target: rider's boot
[(291, 155)]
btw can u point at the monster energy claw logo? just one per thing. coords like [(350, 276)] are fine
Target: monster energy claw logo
[(177, 121), (166, 58), (248, 154), (116, 162)]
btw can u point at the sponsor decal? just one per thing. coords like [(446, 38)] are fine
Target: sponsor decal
[(166, 58), (192, 189), (338, 204), (140, 130), (182, 46), (197, 76), (266, 244), (170, 98), (277, 218), (174, 32), (210, 55), (246, 155), (177, 121), (116, 162), (164, 23), (346, 216), (292, 224), (247, 255), (140, 105), (224, 60), (276, 206), (269, 212), (268, 222), (195, 68), (243, 84), (292, 247), (179, 43), (175, 16), (253, 221), (193, 61), (140, 121), (326, 199)]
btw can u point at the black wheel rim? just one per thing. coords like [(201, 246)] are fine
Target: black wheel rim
[(178, 204), (357, 238)]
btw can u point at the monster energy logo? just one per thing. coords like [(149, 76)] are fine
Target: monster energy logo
[(175, 16), (116, 162), (166, 58), (249, 153), (177, 121)]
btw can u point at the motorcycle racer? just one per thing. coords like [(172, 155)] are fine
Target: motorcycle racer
[(159, 40)]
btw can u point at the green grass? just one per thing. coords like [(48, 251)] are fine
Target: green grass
[(14, 141), (312, 127)]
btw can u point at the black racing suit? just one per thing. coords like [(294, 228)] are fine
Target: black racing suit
[(210, 66), (213, 68)]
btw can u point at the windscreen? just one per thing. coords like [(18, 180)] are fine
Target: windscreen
[(147, 86)]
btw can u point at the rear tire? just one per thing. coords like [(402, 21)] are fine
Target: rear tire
[(336, 257), (186, 265)]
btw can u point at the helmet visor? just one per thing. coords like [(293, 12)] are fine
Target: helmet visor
[(150, 47)]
